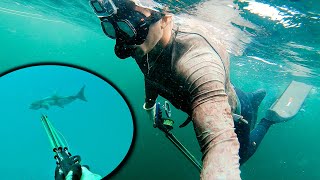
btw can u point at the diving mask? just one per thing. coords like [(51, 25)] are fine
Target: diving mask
[(119, 21)]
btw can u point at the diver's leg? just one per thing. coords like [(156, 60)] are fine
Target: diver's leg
[(214, 128), (242, 129), (249, 141), (243, 133), (257, 134)]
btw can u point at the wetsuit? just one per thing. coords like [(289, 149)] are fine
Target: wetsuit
[(192, 72)]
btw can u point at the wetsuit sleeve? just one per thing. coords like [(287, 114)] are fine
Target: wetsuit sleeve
[(204, 75), (151, 94)]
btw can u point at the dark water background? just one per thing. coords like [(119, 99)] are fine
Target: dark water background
[(286, 48)]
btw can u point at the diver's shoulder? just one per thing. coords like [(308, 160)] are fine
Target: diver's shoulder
[(186, 33), (196, 32), (188, 23)]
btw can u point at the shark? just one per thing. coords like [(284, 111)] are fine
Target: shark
[(56, 100)]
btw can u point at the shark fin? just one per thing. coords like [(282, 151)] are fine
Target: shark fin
[(80, 94), (54, 94)]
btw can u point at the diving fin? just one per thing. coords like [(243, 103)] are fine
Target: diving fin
[(255, 98), (289, 103)]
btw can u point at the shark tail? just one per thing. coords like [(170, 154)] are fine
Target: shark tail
[(80, 94)]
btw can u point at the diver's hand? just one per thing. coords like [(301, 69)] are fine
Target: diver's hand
[(151, 111), (74, 173), (77, 172), (86, 174), (67, 165)]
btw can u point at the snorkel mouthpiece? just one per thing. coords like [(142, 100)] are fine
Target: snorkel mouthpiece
[(122, 51)]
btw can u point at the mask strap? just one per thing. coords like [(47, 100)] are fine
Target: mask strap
[(154, 17)]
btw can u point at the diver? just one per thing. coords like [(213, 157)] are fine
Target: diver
[(68, 166), (181, 63)]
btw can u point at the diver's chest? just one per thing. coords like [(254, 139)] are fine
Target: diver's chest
[(168, 84)]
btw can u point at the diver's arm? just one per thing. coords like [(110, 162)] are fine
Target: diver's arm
[(150, 101), (151, 95), (205, 76), (219, 144)]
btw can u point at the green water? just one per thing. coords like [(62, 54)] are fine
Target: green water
[(289, 150)]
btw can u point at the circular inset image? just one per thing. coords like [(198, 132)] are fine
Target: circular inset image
[(57, 118)]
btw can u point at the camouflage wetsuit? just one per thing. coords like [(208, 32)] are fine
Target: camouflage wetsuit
[(192, 72)]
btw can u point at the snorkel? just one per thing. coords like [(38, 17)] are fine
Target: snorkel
[(122, 51)]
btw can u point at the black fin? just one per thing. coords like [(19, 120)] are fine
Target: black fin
[(256, 98)]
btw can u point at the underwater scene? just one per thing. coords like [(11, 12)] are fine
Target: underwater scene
[(52, 106), (58, 68)]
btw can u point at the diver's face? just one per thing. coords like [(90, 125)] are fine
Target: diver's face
[(154, 34)]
